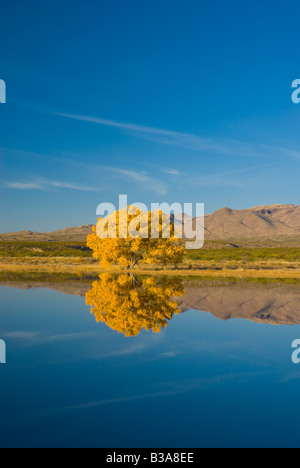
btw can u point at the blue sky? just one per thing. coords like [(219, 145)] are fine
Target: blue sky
[(186, 101)]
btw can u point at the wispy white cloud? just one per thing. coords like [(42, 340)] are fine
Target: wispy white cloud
[(159, 390), (37, 338), (173, 172), (90, 170), (221, 178), (288, 152), (239, 171), (126, 126), (193, 142), (25, 186), (142, 179), (147, 182), (21, 335), (46, 184), (66, 185)]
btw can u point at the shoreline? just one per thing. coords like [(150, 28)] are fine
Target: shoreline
[(85, 269)]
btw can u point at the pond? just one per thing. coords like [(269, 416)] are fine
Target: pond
[(149, 362)]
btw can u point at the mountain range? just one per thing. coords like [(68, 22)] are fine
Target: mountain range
[(261, 225), (277, 304)]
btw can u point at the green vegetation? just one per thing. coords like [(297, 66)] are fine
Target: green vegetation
[(19, 249), (79, 249), (76, 259), (245, 255)]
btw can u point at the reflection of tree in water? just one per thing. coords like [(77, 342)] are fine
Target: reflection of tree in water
[(128, 305)]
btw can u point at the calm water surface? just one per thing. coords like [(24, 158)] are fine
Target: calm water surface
[(202, 381)]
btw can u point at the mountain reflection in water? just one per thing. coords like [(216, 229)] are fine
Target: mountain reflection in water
[(129, 304)]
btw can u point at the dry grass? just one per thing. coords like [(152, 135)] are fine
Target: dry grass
[(87, 266)]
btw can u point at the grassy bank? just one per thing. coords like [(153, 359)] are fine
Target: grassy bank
[(83, 269), (60, 277), (76, 258), (17, 249)]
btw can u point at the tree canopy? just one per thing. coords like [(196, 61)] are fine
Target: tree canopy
[(127, 304), (128, 237)]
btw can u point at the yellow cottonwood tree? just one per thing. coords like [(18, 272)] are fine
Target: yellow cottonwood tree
[(129, 239), (128, 305)]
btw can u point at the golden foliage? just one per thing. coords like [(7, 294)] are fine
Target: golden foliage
[(127, 240), (128, 305)]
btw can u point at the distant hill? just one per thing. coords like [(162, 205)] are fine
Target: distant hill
[(264, 225), (277, 304), (263, 222), (286, 214), (75, 234)]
